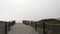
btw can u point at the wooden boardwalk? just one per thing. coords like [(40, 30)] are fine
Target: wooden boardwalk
[(22, 29)]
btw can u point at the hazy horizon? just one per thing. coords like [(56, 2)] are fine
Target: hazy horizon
[(29, 9)]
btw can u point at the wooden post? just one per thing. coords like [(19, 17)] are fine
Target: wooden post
[(43, 27)]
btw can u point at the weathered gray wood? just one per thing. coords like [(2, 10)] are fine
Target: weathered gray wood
[(2, 28)]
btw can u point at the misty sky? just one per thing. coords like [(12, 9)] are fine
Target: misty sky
[(29, 9)]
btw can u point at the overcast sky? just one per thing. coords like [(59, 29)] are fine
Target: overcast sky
[(29, 9)]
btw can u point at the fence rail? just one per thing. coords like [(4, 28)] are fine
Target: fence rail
[(48, 24)]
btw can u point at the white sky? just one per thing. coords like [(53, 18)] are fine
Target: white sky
[(29, 9)]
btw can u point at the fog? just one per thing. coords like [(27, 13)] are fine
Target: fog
[(29, 9)]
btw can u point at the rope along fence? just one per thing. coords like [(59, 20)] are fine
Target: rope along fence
[(49, 24)]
